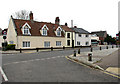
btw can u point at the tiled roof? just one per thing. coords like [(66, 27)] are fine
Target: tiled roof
[(36, 27), (80, 30), (100, 33)]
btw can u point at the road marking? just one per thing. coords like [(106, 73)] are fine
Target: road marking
[(33, 60), (110, 74), (93, 68), (3, 74), (113, 70)]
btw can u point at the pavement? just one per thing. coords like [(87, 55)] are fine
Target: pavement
[(105, 60)]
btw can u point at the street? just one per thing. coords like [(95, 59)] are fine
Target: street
[(50, 66)]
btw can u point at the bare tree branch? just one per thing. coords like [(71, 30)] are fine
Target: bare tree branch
[(23, 14)]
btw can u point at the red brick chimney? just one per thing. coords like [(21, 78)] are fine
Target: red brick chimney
[(66, 24), (31, 15), (57, 20)]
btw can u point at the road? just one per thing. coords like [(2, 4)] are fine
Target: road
[(50, 67)]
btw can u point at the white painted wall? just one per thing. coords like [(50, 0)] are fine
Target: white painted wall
[(38, 41), (11, 33), (83, 39), (1, 40), (72, 34)]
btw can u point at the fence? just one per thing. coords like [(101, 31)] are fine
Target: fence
[(63, 48)]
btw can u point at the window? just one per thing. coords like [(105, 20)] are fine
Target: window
[(87, 35), (26, 30), (78, 42), (45, 31), (68, 42), (68, 35), (46, 44), (26, 44), (58, 33), (58, 43), (87, 43), (79, 35)]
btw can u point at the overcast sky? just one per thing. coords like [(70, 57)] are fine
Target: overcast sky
[(92, 15)]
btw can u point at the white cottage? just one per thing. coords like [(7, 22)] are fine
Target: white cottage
[(82, 37)]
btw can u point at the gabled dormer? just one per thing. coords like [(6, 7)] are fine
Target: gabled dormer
[(44, 30), (58, 31), (26, 29)]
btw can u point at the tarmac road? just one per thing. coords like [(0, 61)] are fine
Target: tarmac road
[(49, 67)]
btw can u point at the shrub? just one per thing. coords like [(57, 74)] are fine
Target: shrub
[(4, 44), (10, 47)]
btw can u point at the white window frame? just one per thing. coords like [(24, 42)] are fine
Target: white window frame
[(58, 31), (68, 36), (27, 28), (44, 30), (26, 44), (58, 43), (47, 44)]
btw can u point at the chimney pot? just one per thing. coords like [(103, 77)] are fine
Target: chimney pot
[(75, 26), (31, 15), (57, 20), (66, 24)]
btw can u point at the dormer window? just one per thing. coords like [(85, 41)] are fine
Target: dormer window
[(25, 29), (44, 30), (58, 31)]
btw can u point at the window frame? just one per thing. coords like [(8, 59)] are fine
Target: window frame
[(44, 32), (26, 29), (46, 44), (86, 43), (26, 44), (58, 33), (58, 43), (68, 42), (78, 42), (68, 35)]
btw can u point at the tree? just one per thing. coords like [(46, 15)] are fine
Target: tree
[(110, 40), (23, 14), (119, 38)]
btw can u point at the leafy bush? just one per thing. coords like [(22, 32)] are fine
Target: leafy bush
[(10, 47)]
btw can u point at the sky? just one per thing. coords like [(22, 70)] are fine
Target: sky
[(91, 15)]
